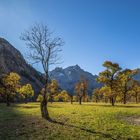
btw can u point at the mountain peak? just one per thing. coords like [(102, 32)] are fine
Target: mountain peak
[(74, 67), (77, 66), (68, 77)]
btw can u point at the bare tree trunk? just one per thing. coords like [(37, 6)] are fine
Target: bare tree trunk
[(124, 98), (96, 101), (25, 100), (51, 99), (7, 100), (112, 101), (44, 102), (136, 98), (71, 99), (44, 109), (80, 100)]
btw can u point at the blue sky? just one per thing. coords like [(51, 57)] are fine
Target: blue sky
[(93, 30)]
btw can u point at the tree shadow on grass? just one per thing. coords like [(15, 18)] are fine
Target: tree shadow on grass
[(83, 129), (13, 124)]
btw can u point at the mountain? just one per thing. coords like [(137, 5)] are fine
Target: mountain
[(11, 60), (68, 77), (137, 76)]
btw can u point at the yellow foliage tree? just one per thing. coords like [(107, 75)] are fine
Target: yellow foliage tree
[(125, 83), (81, 89), (135, 92), (52, 91), (96, 95), (11, 85), (26, 92), (63, 96), (109, 77)]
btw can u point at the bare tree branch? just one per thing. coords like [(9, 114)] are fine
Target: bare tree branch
[(43, 47)]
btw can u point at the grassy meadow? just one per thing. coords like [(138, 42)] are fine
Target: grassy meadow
[(88, 121)]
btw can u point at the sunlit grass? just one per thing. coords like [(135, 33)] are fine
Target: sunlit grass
[(88, 121)]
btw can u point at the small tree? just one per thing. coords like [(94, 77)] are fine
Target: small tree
[(75, 98), (11, 85), (26, 92), (44, 49), (126, 83), (63, 96), (96, 95), (53, 89), (109, 78), (136, 91), (71, 98), (81, 90), (106, 92), (39, 98)]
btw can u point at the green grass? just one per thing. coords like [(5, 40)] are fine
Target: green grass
[(72, 122)]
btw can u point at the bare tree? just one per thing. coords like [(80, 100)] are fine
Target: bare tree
[(44, 49)]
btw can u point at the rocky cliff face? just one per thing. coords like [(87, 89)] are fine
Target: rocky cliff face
[(11, 60), (69, 76)]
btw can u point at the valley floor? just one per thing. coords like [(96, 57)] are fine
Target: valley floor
[(89, 121)]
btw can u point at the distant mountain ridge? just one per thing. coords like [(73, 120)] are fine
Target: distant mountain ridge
[(11, 60), (137, 76), (69, 76)]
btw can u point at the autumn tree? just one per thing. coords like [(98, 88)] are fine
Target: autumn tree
[(97, 95), (44, 49), (75, 98), (11, 85), (106, 93), (126, 83), (81, 89), (63, 96), (39, 98), (135, 92), (26, 92), (109, 78), (53, 89)]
